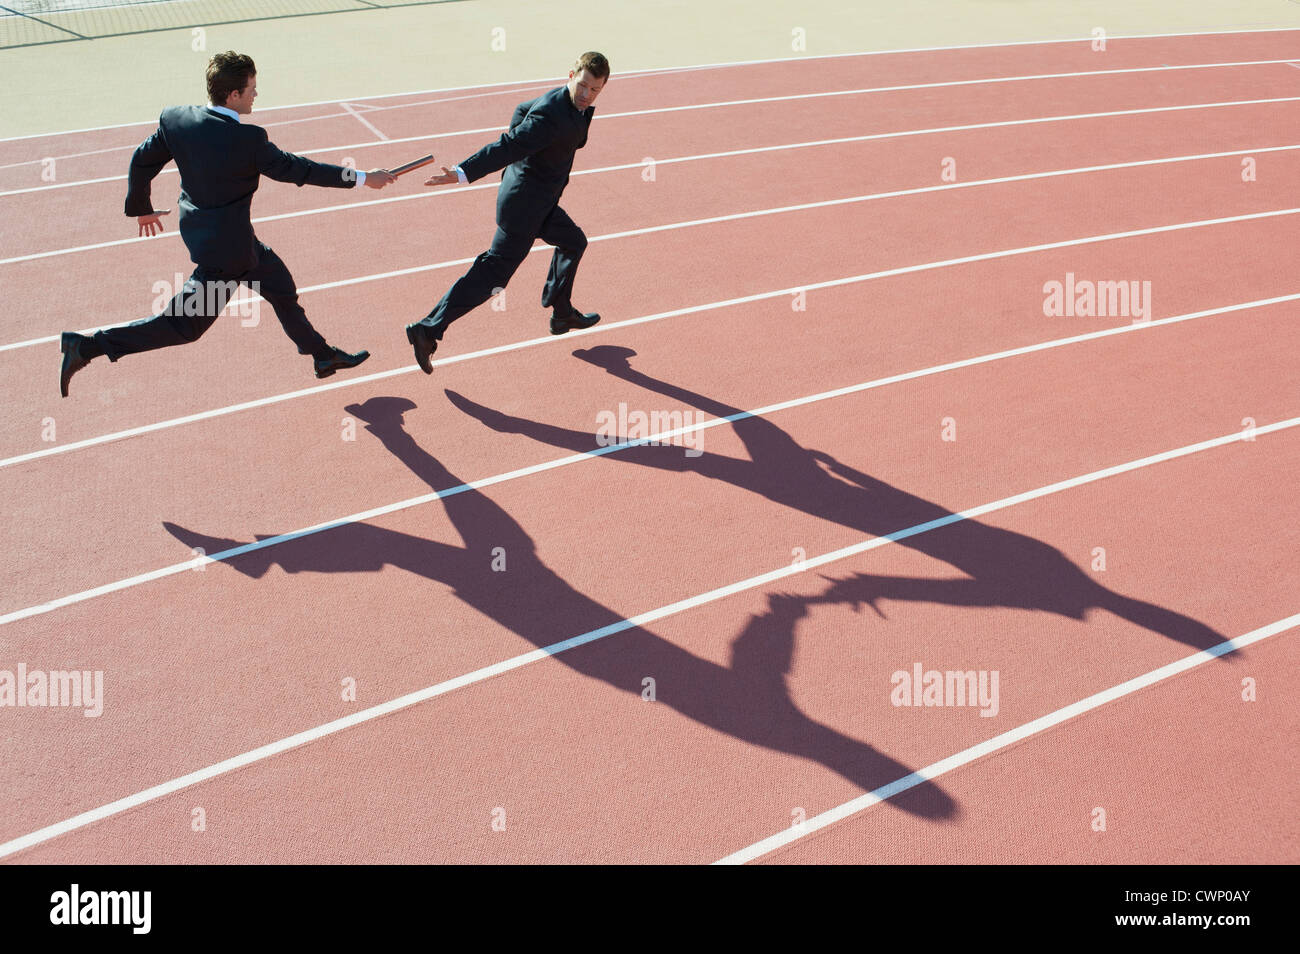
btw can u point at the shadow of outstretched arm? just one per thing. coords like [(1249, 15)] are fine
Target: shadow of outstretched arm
[(762, 439), (1165, 622), (582, 442)]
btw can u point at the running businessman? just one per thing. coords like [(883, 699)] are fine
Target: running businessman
[(220, 161), (537, 154)]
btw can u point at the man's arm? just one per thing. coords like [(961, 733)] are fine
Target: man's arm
[(534, 133), (146, 162), (275, 163)]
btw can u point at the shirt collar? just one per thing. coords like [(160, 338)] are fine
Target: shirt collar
[(224, 111)]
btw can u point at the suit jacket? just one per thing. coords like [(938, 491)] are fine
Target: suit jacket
[(220, 162), (537, 155)]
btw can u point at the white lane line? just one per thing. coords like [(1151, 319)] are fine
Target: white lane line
[(345, 206), (713, 220), (356, 114), (65, 185), (130, 147), (966, 756), (666, 436), (891, 135), (676, 312), (652, 72), (479, 675), (171, 170)]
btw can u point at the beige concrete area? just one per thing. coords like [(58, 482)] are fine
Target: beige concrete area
[(367, 52)]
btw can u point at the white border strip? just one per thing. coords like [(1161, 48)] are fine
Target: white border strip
[(345, 206), (966, 756), (600, 451), (651, 71), (479, 675)]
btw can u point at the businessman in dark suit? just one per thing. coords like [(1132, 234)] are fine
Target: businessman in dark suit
[(536, 153), (220, 161)]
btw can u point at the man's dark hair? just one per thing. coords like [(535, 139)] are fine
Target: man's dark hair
[(593, 63), (228, 73)]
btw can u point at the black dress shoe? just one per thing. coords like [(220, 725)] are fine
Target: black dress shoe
[(73, 359), (422, 339), (575, 319), (338, 358)]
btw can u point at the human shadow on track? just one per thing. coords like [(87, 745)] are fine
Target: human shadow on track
[(1003, 568), (747, 700)]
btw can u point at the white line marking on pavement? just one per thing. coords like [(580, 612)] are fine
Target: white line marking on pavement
[(966, 756), (351, 110), (479, 675), (356, 114), (637, 165), (712, 220), (676, 312), (651, 72), (667, 436)]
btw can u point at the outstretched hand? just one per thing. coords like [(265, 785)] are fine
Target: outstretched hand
[(151, 224), (447, 178)]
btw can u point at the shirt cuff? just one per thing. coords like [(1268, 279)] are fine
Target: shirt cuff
[(460, 176), (361, 178)]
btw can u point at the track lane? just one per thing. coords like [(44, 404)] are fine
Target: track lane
[(1176, 794)]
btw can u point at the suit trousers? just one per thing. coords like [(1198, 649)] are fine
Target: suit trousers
[(492, 270), (196, 306)]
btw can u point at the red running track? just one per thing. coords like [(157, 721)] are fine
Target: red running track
[(771, 700)]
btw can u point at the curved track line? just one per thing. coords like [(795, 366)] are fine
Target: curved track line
[(663, 162), (966, 756), (661, 109), (652, 71), (413, 698), (730, 217), (676, 312), (599, 451)]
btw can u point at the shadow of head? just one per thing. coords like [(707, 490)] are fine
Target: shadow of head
[(610, 357), (384, 411)]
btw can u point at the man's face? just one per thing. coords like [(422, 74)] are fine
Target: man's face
[(242, 101), (584, 88)]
